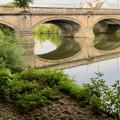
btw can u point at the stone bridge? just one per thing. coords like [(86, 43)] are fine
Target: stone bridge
[(75, 22)]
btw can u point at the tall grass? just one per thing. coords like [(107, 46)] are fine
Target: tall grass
[(11, 53)]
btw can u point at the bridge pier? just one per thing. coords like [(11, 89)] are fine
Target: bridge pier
[(86, 32), (27, 43), (87, 48), (89, 32)]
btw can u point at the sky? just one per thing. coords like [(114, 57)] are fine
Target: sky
[(65, 3)]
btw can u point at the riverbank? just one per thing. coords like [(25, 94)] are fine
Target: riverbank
[(64, 109), (50, 95)]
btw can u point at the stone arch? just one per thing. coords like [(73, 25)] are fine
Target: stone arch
[(106, 17), (9, 25), (112, 19), (58, 18), (69, 26)]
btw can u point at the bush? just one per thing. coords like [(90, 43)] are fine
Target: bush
[(49, 94), (45, 77), (16, 88), (106, 99), (29, 74), (52, 77), (72, 89), (95, 103), (10, 51), (5, 76), (27, 95), (24, 94), (30, 101)]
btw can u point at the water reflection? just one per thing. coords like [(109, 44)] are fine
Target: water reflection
[(110, 69), (54, 38), (53, 47), (44, 47), (107, 41)]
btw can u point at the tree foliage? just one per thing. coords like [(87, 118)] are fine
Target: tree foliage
[(11, 53), (22, 3)]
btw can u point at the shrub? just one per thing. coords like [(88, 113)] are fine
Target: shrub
[(105, 98), (25, 94), (52, 77), (95, 103), (29, 74), (66, 86), (10, 51), (5, 76), (32, 99), (29, 101), (45, 77), (72, 89), (16, 88), (2, 63), (49, 94)]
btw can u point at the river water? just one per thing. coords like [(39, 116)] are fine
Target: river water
[(83, 74), (53, 47)]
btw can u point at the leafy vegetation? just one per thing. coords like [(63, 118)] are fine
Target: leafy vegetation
[(10, 51), (32, 87), (22, 3), (107, 98), (45, 77), (24, 94)]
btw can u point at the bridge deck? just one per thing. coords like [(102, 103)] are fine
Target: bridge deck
[(48, 10)]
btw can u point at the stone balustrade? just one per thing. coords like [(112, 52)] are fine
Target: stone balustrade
[(48, 10)]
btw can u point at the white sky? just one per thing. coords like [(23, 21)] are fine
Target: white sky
[(49, 3)]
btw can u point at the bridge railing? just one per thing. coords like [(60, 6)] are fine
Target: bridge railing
[(43, 10), (8, 9), (72, 11)]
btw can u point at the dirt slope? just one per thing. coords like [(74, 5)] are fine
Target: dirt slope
[(64, 109)]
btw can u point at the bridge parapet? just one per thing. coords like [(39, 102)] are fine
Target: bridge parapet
[(9, 10), (63, 11), (74, 11)]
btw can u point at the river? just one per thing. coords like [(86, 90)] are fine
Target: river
[(55, 48)]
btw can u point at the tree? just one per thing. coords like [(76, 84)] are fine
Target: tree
[(22, 3)]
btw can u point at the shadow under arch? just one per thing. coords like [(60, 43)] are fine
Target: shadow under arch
[(7, 24), (68, 26), (106, 17), (106, 25)]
